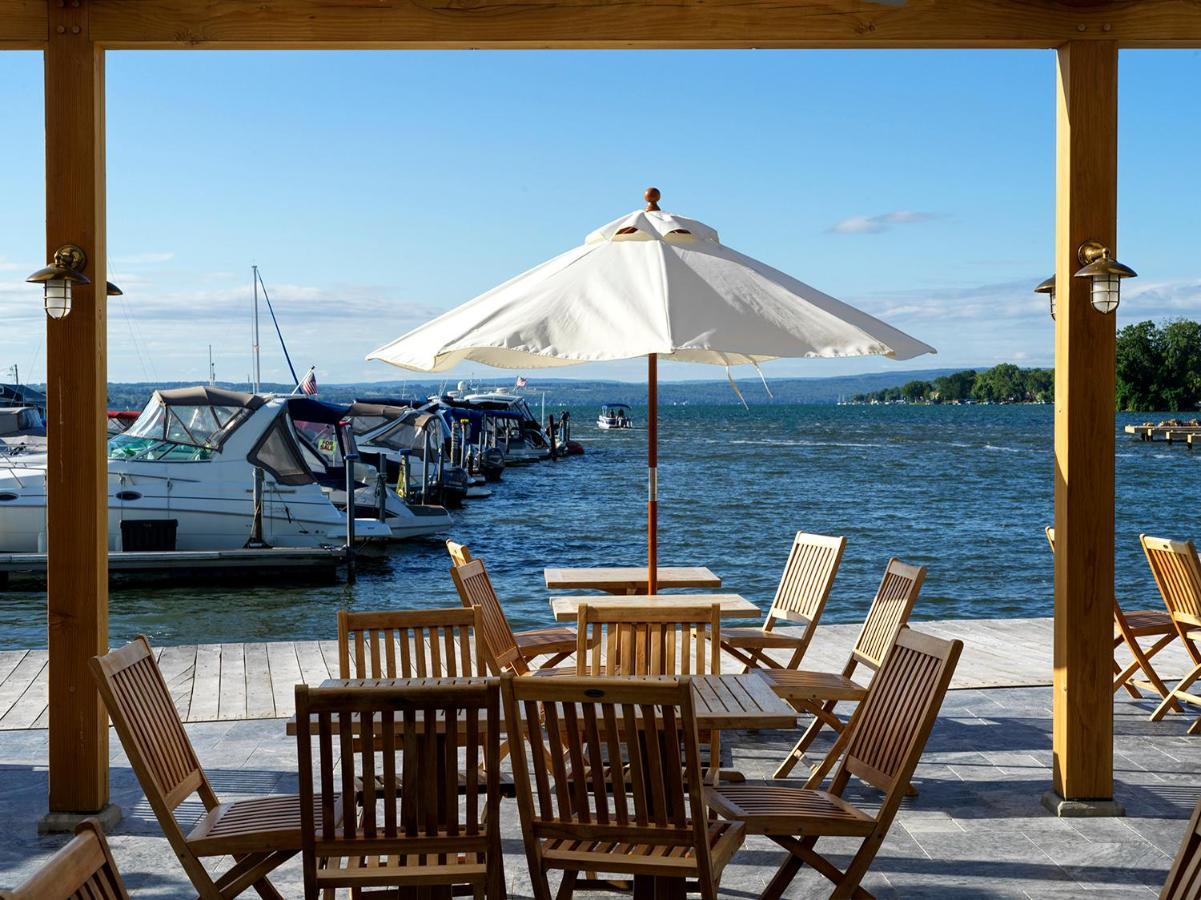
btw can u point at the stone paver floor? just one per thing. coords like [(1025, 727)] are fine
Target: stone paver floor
[(977, 828)]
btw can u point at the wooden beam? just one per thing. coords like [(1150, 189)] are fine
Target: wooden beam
[(1086, 208), (77, 470), (22, 24), (640, 23)]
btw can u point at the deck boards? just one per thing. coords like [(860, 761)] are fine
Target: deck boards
[(255, 681)]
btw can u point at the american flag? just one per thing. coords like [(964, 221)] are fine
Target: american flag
[(309, 384), (520, 381)]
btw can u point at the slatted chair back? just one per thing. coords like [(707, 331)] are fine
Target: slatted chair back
[(1184, 878), (152, 734), (808, 577), (416, 824), (889, 613), (496, 636), (568, 787), (648, 640), (419, 643), (459, 554), (82, 870), (1177, 572)]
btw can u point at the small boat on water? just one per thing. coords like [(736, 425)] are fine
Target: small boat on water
[(613, 416), (22, 430)]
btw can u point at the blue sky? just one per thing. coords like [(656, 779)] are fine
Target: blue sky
[(375, 189)]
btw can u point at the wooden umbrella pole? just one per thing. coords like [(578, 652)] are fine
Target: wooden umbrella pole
[(652, 462)]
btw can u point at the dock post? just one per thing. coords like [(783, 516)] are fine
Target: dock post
[(350, 460)]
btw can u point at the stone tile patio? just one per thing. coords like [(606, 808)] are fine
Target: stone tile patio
[(976, 829)]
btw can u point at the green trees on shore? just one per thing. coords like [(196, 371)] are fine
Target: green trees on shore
[(1158, 370)]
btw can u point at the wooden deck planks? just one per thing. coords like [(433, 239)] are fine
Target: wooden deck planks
[(239, 681)]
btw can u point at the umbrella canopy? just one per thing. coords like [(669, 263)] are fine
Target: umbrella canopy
[(650, 284)]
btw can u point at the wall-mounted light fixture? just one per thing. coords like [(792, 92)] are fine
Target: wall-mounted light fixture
[(112, 290), (56, 279), (1106, 274), (1047, 287)]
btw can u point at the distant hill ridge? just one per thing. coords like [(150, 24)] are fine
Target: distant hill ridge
[(578, 392)]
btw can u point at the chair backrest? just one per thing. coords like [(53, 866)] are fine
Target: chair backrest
[(1184, 878), (1177, 572), (459, 554), (82, 870), (629, 639), (890, 727), (151, 732), (413, 643), (808, 576), (496, 636), (889, 612), (568, 786), (406, 775)]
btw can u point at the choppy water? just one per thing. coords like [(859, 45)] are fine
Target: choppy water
[(963, 490)]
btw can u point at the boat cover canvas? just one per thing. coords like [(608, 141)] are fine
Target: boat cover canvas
[(204, 395)]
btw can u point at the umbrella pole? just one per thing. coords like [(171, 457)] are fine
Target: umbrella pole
[(652, 462)]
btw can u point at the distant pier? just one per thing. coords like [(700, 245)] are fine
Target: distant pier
[(1173, 434)]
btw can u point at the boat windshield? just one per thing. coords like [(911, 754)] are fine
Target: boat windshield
[(177, 433)]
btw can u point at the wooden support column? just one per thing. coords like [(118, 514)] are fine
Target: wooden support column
[(1086, 207), (76, 397)]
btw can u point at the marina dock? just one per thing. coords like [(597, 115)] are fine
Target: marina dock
[(216, 682), (1173, 434)]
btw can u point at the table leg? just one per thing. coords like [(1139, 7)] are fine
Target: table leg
[(655, 887)]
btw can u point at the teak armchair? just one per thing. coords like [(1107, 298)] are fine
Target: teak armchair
[(800, 598), (1128, 627), (818, 693), (887, 735), (1177, 572), (259, 834), (647, 818), (411, 831), (411, 643), (1184, 878), (82, 870), (555, 641)]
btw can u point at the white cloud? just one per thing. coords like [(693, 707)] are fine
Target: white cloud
[(882, 222), (143, 259)]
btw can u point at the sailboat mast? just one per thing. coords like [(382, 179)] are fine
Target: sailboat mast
[(257, 372), (212, 370)]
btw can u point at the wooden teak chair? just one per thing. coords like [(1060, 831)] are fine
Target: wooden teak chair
[(887, 735), (259, 834), (82, 870), (1177, 572), (800, 598), (647, 819), (1184, 878), (555, 641), (1128, 627), (818, 693), (412, 832), (411, 643)]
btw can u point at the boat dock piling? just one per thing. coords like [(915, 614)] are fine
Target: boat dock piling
[(1173, 434)]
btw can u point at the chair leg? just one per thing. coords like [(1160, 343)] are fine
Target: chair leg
[(1143, 658), (823, 715), (567, 886), (1170, 700), (1121, 679)]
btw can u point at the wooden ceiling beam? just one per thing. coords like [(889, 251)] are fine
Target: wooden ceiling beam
[(283, 24), (23, 24)]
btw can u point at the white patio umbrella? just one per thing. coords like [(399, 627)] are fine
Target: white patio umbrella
[(650, 284)]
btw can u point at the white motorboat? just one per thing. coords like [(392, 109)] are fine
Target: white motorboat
[(182, 477), (22, 431), (614, 415), (520, 436)]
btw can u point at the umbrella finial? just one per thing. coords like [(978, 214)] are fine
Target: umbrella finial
[(652, 196)]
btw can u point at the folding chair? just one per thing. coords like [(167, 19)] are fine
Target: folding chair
[(615, 784), (1128, 627), (82, 870), (259, 834), (555, 641), (1177, 572), (411, 643), (800, 598), (413, 832), (887, 736), (1184, 878), (818, 693)]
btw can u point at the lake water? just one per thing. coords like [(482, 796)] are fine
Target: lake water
[(963, 490)]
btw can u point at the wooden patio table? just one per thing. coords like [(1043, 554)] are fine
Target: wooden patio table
[(722, 701), (733, 606), (628, 579)]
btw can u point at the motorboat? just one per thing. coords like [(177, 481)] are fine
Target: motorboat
[(408, 445), (22, 431), (519, 435), (613, 416), (182, 477)]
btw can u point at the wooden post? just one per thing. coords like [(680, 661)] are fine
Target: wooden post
[(76, 396), (652, 471), (1086, 208)]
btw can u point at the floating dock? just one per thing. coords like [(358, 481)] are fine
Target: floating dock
[(309, 563), (1173, 434)]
